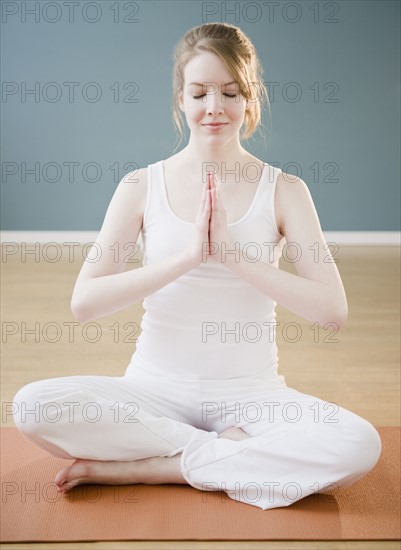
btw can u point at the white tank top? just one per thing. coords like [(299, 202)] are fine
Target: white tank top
[(209, 323)]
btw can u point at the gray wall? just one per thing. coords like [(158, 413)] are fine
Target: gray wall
[(343, 60)]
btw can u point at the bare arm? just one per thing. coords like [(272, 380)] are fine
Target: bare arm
[(102, 286), (317, 292)]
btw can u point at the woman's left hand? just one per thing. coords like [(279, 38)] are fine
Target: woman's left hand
[(221, 245)]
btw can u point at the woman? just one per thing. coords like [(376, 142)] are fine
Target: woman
[(201, 401)]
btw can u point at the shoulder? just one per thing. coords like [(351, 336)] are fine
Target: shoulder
[(135, 183), (292, 194), (129, 199), (138, 177), (289, 187)]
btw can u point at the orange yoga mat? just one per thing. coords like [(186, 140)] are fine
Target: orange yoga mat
[(33, 510)]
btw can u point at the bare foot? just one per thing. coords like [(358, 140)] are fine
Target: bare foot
[(103, 472), (152, 470), (236, 434)]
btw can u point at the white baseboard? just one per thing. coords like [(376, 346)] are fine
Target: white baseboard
[(82, 237), (363, 237), (85, 237)]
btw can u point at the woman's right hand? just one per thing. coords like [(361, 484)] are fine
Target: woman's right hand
[(199, 248)]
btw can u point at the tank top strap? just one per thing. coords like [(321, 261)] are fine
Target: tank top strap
[(155, 200), (265, 208)]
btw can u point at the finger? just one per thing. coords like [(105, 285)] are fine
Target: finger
[(214, 199), (217, 205), (215, 181), (203, 198), (207, 201), (216, 185), (212, 180), (206, 211)]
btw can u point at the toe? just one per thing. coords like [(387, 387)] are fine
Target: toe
[(72, 475), (61, 476)]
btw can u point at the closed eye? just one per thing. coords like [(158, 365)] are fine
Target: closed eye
[(199, 96)]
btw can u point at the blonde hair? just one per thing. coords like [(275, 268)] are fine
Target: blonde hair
[(239, 55)]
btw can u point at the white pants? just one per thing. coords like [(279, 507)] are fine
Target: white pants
[(299, 444)]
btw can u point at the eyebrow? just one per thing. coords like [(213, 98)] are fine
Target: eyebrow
[(200, 84)]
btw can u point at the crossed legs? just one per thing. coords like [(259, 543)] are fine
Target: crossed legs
[(151, 471)]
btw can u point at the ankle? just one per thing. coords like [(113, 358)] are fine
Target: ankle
[(164, 470)]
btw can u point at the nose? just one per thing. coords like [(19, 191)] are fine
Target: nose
[(214, 103)]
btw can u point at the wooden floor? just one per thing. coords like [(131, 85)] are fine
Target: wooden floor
[(358, 368)]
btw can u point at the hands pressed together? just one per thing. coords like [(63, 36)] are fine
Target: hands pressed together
[(211, 229)]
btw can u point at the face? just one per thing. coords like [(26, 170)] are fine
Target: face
[(216, 98)]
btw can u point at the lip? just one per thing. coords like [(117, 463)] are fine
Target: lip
[(215, 127), (216, 124)]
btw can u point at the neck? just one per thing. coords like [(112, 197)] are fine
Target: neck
[(201, 157)]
